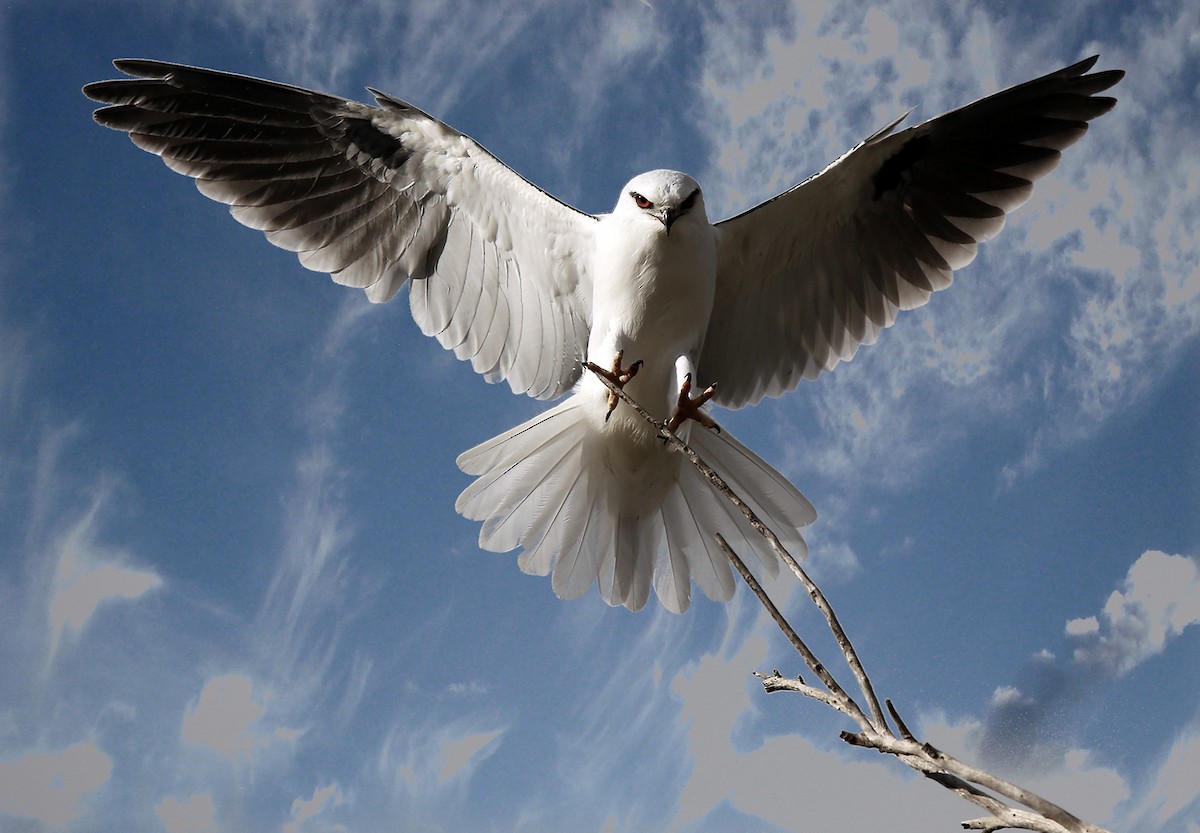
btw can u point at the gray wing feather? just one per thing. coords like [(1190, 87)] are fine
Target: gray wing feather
[(806, 278), (376, 197)]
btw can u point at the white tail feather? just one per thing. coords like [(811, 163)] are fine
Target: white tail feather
[(593, 503)]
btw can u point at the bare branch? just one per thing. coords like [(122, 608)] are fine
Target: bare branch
[(933, 760), (968, 782), (904, 732), (839, 699), (777, 682), (814, 592)]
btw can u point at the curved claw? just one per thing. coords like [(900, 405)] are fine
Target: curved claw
[(618, 375), (689, 407)]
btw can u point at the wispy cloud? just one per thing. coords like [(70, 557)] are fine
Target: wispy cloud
[(320, 42), (458, 754), (424, 757), (1118, 239), (305, 809), (1173, 796), (88, 576), (295, 641)]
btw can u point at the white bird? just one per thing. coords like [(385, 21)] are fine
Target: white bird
[(527, 288)]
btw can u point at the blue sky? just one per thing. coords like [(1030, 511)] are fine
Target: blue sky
[(235, 595)]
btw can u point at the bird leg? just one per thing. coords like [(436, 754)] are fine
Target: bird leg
[(618, 375), (689, 406)]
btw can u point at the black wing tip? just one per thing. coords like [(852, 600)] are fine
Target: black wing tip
[(94, 90), (1104, 103), (147, 67), (108, 93), (1104, 78), (390, 102), (1110, 77), (100, 117), (382, 97), (1079, 72), (1080, 67), (115, 91)]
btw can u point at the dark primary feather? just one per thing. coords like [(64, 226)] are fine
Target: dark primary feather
[(364, 194), (284, 158), (805, 278)]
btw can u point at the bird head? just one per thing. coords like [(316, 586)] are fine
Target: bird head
[(663, 197)]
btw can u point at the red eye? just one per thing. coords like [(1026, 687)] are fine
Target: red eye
[(641, 201)]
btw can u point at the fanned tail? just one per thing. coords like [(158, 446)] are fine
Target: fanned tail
[(589, 502)]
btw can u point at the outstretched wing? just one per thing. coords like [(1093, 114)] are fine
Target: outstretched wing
[(377, 196), (805, 278)]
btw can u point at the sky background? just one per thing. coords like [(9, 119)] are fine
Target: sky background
[(234, 594)]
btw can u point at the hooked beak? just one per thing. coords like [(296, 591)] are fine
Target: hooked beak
[(667, 216)]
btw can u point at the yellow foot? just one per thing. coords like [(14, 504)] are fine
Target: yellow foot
[(689, 407), (618, 375)]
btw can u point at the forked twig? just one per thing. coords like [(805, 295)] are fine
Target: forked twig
[(814, 592), (874, 732)]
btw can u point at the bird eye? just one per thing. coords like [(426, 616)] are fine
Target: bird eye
[(687, 204), (641, 201)]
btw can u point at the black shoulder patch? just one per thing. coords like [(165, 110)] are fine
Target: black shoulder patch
[(888, 177), (371, 140)]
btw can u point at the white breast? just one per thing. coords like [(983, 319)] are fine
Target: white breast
[(652, 299)]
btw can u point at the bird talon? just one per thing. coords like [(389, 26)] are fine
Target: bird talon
[(618, 375), (689, 407)]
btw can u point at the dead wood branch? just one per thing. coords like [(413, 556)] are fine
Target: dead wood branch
[(975, 785)]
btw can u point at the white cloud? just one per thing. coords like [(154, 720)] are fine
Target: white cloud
[(1158, 599), (797, 783), (48, 786), (456, 755), (789, 781), (305, 809), (1005, 694), (87, 577), (1084, 786), (80, 590), (1083, 626), (225, 719), (195, 815), (1068, 776)]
